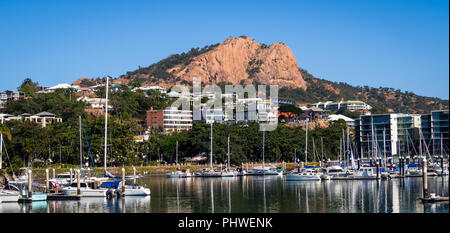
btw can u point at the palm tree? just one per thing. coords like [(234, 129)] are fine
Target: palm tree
[(5, 131)]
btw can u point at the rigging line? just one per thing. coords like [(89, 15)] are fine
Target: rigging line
[(355, 149), (413, 145), (7, 156), (89, 148)]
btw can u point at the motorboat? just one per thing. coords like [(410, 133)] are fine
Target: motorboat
[(9, 195), (337, 172), (134, 190), (364, 173), (85, 190), (36, 196), (306, 175), (325, 176), (206, 172), (179, 174), (267, 171)]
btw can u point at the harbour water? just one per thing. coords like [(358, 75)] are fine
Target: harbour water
[(257, 194)]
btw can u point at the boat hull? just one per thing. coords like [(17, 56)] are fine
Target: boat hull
[(303, 178), (9, 197), (137, 192), (85, 193)]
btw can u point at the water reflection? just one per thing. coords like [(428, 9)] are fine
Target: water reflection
[(259, 194)]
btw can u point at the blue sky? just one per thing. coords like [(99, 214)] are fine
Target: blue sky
[(399, 44)]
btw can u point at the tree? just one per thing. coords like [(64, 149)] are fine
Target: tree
[(5, 131), (29, 87)]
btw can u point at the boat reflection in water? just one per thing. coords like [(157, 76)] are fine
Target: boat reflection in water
[(257, 194)]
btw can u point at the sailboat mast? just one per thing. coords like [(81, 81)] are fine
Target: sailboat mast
[(176, 159), (106, 121), (81, 145), (264, 135), (306, 144), (343, 145), (60, 163), (407, 143), (368, 147), (373, 140), (420, 142), (314, 150), (347, 158), (321, 149), (228, 152), (384, 146), (211, 152)]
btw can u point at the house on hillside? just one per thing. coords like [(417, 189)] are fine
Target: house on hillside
[(42, 118)]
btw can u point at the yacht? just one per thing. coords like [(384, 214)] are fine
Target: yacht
[(364, 173), (267, 170), (9, 195), (85, 190), (179, 174), (306, 175), (413, 170), (134, 190), (207, 172), (335, 171)]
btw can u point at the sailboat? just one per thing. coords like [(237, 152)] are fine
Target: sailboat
[(306, 174), (228, 172), (8, 193), (365, 173), (130, 189), (209, 172), (178, 173), (264, 170)]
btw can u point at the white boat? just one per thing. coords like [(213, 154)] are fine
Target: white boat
[(267, 170), (134, 190), (413, 171), (207, 172), (179, 174), (9, 195), (364, 173), (303, 176), (23, 177), (228, 174), (324, 176), (85, 190)]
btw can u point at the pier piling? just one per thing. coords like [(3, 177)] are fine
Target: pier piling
[(123, 181), (53, 175), (134, 175), (377, 165), (47, 190), (30, 187), (78, 182), (71, 176), (425, 178)]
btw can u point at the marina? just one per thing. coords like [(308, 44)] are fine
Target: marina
[(256, 194)]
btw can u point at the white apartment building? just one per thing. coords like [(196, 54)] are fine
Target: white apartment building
[(177, 120)]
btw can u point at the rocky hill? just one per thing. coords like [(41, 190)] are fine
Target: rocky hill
[(242, 60), (236, 60)]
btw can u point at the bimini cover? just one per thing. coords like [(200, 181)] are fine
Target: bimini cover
[(112, 184)]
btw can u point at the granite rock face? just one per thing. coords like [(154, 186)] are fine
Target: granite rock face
[(236, 60)]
